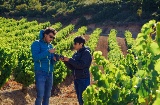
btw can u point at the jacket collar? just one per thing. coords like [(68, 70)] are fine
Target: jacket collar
[(43, 41), (82, 49)]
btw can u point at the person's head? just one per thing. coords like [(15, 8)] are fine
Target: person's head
[(79, 42), (49, 34)]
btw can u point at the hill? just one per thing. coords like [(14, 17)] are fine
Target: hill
[(83, 11)]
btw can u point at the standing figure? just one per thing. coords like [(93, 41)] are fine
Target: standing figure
[(44, 60), (80, 64)]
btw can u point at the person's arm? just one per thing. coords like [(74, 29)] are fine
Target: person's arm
[(36, 54), (52, 59), (83, 62), (69, 66)]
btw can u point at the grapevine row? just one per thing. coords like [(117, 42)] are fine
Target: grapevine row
[(94, 37), (67, 43), (16, 55), (129, 40), (113, 84), (64, 32), (115, 53)]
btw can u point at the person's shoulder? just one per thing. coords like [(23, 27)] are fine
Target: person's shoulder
[(36, 42), (87, 51)]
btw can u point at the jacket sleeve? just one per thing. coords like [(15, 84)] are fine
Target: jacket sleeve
[(69, 66), (52, 60), (36, 54), (83, 62)]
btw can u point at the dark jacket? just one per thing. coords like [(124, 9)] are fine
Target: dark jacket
[(80, 63)]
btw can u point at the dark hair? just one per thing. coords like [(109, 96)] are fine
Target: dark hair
[(49, 30), (79, 39)]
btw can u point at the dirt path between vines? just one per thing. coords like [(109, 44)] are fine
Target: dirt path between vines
[(11, 94), (103, 45)]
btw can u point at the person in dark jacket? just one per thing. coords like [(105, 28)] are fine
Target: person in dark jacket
[(80, 64), (44, 59)]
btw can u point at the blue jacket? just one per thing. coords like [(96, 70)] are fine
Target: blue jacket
[(80, 63), (43, 59)]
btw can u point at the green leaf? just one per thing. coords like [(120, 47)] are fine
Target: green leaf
[(157, 101), (154, 48), (157, 66), (141, 100), (158, 33), (115, 94)]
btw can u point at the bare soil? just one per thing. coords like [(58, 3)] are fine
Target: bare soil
[(121, 28), (103, 45), (11, 94), (122, 44), (86, 37)]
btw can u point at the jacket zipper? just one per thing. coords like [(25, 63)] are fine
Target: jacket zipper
[(40, 63), (48, 61), (74, 75), (49, 65)]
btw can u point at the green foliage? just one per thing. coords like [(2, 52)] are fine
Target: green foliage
[(67, 43), (24, 72), (34, 5), (115, 53), (19, 36), (15, 49), (93, 40), (119, 80), (130, 41), (158, 33), (6, 64), (112, 84), (57, 26), (100, 10), (134, 79), (64, 32), (157, 101), (22, 7)]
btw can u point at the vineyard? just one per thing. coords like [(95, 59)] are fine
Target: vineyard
[(118, 79)]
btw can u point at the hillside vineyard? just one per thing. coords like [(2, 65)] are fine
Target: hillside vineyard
[(118, 80)]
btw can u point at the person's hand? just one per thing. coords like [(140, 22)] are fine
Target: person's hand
[(61, 59), (52, 50), (54, 58), (64, 59)]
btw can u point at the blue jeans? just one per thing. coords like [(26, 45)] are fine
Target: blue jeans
[(44, 82), (80, 85)]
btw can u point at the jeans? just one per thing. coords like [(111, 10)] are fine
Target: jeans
[(44, 82), (80, 86)]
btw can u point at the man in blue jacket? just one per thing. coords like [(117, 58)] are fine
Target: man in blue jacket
[(80, 64), (43, 56)]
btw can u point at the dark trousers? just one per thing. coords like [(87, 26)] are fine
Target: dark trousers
[(80, 85)]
